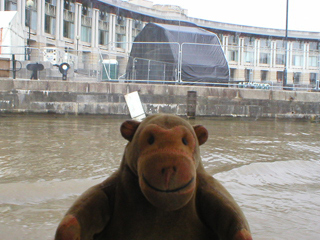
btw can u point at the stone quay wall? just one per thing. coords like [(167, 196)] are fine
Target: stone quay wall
[(63, 97)]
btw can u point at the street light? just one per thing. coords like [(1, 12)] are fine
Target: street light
[(30, 4)]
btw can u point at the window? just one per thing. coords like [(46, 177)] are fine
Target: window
[(297, 60), (264, 58), (69, 5), (249, 57), (280, 59), (68, 30), (32, 16), (136, 28), (265, 43), (86, 22), (50, 25), (280, 44), (313, 78), (103, 27), (68, 19), (233, 40), (50, 17), (314, 45), (232, 74), (248, 74), (249, 41), (280, 76), (233, 55), (313, 61), (297, 45), (11, 5), (121, 32), (264, 75), (296, 77)]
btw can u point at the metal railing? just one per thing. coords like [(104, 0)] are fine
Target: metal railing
[(247, 70)]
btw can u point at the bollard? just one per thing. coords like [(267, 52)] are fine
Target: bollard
[(35, 67), (191, 104), (63, 68), (14, 66)]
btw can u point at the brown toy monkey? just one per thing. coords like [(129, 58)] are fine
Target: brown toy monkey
[(161, 191)]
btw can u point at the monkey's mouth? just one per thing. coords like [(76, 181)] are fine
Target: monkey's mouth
[(167, 190)]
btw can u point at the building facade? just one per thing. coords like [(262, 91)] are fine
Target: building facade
[(254, 54)]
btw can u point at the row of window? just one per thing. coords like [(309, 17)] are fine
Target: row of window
[(266, 43), (264, 76), (265, 58)]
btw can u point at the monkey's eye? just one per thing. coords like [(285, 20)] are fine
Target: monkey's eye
[(151, 140), (185, 141)]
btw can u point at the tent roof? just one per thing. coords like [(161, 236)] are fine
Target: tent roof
[(155, 32)]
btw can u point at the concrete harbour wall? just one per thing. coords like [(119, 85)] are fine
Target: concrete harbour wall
[(63, 97)]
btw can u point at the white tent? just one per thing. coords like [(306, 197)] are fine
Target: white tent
[(12, 39)]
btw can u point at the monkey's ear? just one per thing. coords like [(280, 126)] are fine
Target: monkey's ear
[(202, 133), (128, 129)]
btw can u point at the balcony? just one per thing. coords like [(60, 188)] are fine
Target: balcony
[(50, 9), (68, 16), (86, 21)]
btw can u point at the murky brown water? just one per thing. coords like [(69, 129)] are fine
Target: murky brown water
[(272, 168)]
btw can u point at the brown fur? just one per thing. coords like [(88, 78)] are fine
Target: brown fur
[(161, 191)]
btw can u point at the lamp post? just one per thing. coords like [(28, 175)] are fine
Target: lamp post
[(285, 77), (30, 4)]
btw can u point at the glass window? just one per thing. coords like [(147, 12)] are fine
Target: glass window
[(68, 19), (280, 76), (280, 44), (121, 32), (296, 77), (32, 16), (264, 75), (314, 45), (313, 61), (69, 5), (265, 43), (50, 17), (248, 74), (136, 28), (233, 40), (264, 58), (233, 55), (297, 60), (50, 25), (298, 45), (11, 5), (85, 34), (68, 29), (249, 41), (313, 78), (280, 59), (103, 27), (232, 73), (249, 57)]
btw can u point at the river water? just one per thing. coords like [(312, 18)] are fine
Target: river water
[(272, 168)]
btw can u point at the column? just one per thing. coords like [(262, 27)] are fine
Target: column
[(41, 18), (112, 32), (22, 14), (59, 21), (1, 5), (77, 21), (129, 26), (95, 28)]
